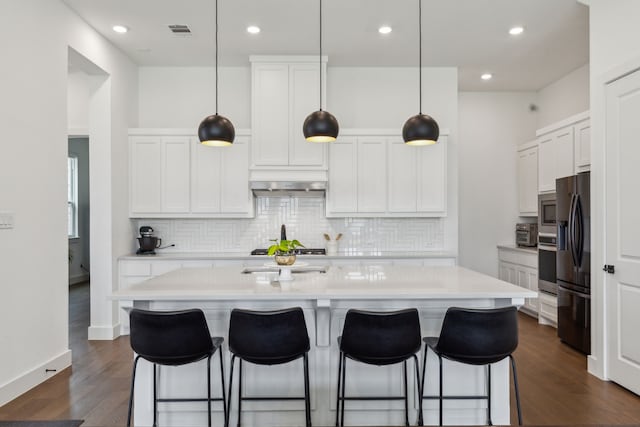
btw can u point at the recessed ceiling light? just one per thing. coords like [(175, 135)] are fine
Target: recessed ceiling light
[(385, 29), (514, 31), (486, 76), (120, 29), (252, 29)]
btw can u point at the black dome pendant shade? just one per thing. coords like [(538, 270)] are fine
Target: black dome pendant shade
[(216, 130), (320, 126), (420, 129)]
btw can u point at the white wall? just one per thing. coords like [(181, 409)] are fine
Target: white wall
[(563, 98), (359, 97), (614, 35), (78, 101), (34, 294), (492, 124)]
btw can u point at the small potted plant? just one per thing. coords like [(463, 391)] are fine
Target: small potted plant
[(284, 251)]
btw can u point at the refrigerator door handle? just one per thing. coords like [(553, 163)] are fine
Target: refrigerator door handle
[(571, 234), (579, 231)]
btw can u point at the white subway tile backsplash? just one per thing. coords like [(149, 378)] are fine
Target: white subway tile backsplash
[(305, 220)]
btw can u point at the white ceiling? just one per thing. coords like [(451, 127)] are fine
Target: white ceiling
[(469, 34)]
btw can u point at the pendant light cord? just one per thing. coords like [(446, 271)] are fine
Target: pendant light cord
[(419, 54), (216, 57), (320, 55)]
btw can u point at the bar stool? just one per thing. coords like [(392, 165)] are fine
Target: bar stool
[(378, 338), (268, 338), (475, 337), (173, 338)]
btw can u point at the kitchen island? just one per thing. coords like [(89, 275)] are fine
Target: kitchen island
[(325, 293)]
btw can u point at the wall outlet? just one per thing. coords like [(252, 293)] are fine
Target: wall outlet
[(6, 220)]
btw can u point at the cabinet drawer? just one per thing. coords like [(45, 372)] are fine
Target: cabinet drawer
[(135, 268), (162, 267), (520, 258)]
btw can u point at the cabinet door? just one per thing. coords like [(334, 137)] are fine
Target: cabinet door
[(403, 177), (146, 175), (432, 177), (343, 171), (304, 98), (582, 135), (563, 141), (546, 164), (528, 181), (175, 174), (235, 196), (372, 175), (507, 272), (205, 178), (270, 114)]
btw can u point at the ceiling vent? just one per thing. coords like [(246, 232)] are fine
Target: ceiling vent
[(180, 30)]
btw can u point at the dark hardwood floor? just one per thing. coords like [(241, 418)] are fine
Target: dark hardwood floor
[(554, 384)]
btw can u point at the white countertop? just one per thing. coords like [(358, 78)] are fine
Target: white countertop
[(339, 282), (512, 247), (246, 256)]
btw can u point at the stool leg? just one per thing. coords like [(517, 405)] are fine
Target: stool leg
[(489, 421), (440, 403), (233, 359), (515, 385), (155, 398), (344, 370), (133, 383), (424, 375), (239, 391), (417, 368), (209, 391), (406, 394), (338, 389), (307, 397), (224, 397)]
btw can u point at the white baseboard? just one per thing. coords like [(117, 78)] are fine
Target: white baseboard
[(79, 278), (104, 333), (35, 376)]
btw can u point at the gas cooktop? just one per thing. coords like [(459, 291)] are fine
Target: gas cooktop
[(299, 251)]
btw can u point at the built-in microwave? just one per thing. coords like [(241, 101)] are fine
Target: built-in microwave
[(547, 213)]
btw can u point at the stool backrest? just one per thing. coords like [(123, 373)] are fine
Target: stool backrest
[(170, 337), (381, 338), (268, 337), (478, 336)]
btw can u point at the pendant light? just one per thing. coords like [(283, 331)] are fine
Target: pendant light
[(216, 130), (420, 129), (320, 126)]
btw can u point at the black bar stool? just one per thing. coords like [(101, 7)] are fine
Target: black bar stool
[(475, 337), (378, 338), (173, 338), (268, 338)]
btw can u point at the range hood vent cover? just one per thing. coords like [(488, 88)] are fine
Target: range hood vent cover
[(288, 188)]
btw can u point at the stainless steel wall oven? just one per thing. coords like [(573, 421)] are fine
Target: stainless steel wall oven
[(547, 263)]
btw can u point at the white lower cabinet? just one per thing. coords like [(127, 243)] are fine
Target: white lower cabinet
[(519, 267), (548, 314)]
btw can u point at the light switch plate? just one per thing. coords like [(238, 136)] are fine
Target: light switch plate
[(6, 220)]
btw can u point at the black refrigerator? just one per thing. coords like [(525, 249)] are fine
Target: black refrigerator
[(573, 261)]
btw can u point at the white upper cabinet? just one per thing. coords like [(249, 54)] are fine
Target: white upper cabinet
[(159, 171), (285, 90), (174, 176), (528, 179), (380, 176), (582, 135), (563, 150)]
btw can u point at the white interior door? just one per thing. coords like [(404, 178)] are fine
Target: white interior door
[(623, 230)]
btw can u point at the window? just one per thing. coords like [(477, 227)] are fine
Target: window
[(72, 196)]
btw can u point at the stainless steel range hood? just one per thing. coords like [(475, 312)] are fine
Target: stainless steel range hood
[(288, 188)]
